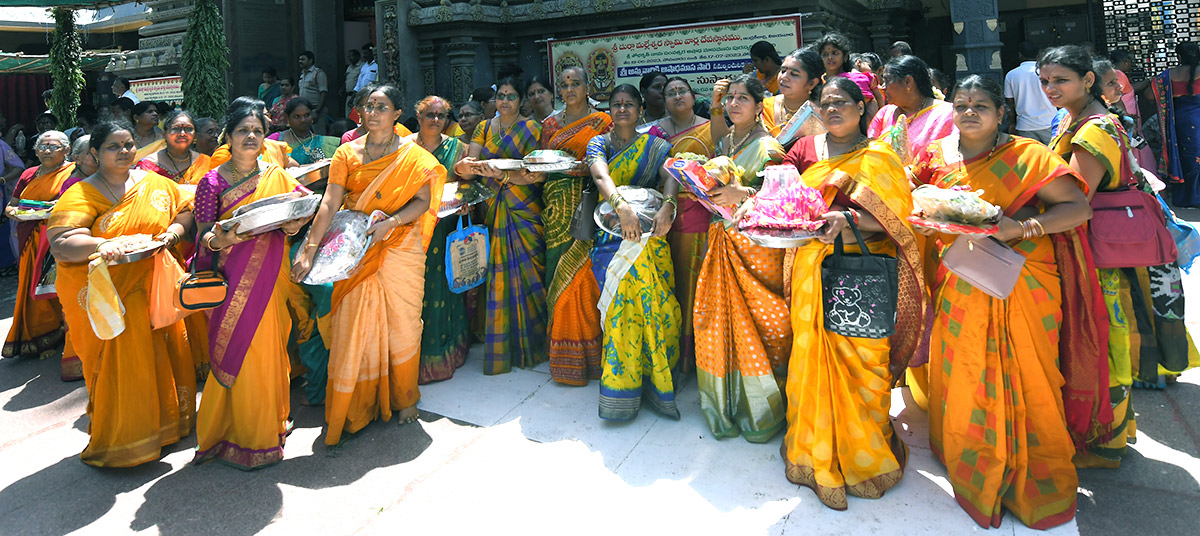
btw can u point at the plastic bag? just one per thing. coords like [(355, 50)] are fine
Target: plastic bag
[(343, 246), (1186, 237), (785, 202), (467, 251), (953, 205)]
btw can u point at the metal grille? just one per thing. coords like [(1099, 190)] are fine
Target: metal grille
[(1149, 29)]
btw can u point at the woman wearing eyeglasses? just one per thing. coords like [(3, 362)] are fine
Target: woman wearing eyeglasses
[(141, 388), (469, 116), (375, 332), (574, 329), (515, 324), (742, 332), (178, 161), (37, 324), (446, 338)]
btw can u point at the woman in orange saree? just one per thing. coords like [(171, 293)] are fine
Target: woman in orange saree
[(141, 388), (742, 334), (839, 438), (1000, 410), (572, 292), (243, 415), (37, 324), (688, 239), (375, 347)]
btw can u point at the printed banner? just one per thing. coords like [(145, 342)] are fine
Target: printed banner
[(167, 88), (700, 53)]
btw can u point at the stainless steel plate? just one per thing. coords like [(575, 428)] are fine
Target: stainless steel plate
[(268, 214), (505, 164), (565, 165), (141, 254), (547, 156), (779, 239), (645, 202)]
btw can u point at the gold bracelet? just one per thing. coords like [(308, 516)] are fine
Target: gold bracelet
[(1040, 231), (615, 200), (209, 242)]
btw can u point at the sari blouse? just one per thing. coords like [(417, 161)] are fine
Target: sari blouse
[(924, 127), (1099, 136), (192, 175), (576, 137), (519, 140)]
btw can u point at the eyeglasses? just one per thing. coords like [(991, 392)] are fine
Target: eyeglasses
[(48, 147), (376, 109), (678, 93), (508, 96), (181, 130), (435, 117)]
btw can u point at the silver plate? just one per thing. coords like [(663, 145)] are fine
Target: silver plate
[(780, 240), (473, 194), (645, 203), (547, 156), (505, 164), (268, 214), (565, 165), (139, 255), (35, 216)]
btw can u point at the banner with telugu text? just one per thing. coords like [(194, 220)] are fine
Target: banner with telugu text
[(700, 53), (162, 89)]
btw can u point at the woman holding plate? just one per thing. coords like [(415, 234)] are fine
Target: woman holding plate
[(741, 284), (141, 387), (839, 438), (639, 315), (515, 327), (994, 364), (37, 325), (375, 343), (243, 415), (446, 337), (574, 328)]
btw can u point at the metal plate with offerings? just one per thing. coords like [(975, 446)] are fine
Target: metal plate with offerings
[(779, 238), (549, 161), (343, 246), (456, 195), (645, 202), (787, 213), (136, 247), (270, 213), (955, 210), (28, 210)]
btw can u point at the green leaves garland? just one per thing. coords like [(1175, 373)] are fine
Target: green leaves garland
[(65, 53), (205, 62)]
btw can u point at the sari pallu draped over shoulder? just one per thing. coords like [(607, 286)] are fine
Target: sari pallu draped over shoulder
[(142, 383), (571, 295), (839, 437), (515, 323), (192, 175), (37, 327), (743, 336), (688, 237), (244, 411), (375, 340), (272, 152), (446, 337), (1002, 414), (639, 316)]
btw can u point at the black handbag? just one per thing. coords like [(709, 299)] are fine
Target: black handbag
[(583, 222), (859, 291)]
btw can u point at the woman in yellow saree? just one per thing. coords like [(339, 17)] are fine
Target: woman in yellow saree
[(998, 417), (272, 151), (243, 415), (146, 133), (743, 337), (141, 386), (687, 133), (1145, 305), (839, 436), (37, 324), (571, 292), (177, 160), (638, 310), (375, 344)]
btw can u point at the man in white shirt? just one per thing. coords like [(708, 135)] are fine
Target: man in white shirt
[(353, 68), (120, 88), (313, 85), (1024, 97), (370, 70)]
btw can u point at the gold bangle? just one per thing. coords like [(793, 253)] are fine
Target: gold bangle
[(208, 243), (615, 200), (1039, 231)]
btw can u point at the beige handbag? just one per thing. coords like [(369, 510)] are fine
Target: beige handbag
[(987, 264)]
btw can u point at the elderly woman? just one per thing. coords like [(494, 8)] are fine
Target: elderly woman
[(37, 322), (469, 116), (790, 114), (375, 339), (515, 325), (446, 338), (208, 130), (85, 163), (141, 384), (243, 415), (981, 389), (178, 161), (306, 146), (639, 315), (574, 329), (742, 335), (146, 132)]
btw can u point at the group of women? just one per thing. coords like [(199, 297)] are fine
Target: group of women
[(1020, 391)]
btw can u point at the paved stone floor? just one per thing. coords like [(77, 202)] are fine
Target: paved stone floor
[(518, 453)]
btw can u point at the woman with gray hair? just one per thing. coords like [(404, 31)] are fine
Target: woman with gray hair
[(85, 162), (37, 327)]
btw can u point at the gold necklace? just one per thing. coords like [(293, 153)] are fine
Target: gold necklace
[(367, 148), (111, 193), (738, 145), (175, 161)]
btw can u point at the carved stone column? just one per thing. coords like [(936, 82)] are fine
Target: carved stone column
[(462, 67), (428, 58), (976, 38)]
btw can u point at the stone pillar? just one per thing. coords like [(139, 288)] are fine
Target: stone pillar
[(502, 53), (462, 67), (324, 37), (976, 38), (428, 57)]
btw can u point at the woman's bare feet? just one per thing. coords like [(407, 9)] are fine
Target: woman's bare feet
[(409, 415)]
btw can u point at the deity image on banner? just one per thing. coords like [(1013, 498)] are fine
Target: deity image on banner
[(602, 70)]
